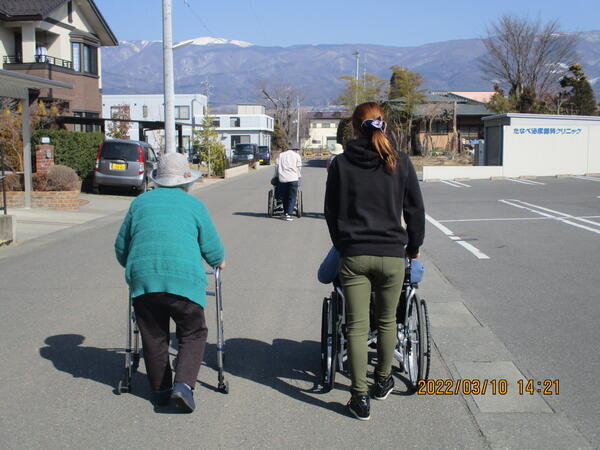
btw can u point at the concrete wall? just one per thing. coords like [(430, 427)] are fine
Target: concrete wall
[(431, 173)]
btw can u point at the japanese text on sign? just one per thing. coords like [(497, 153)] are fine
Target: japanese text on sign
[(560, 131)]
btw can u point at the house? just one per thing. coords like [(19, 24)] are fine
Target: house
[(59, 40), (189, 109), (322, 129), (250, 125), (440, 112)]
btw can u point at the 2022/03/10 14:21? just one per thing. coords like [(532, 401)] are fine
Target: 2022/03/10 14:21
[(546, 387)]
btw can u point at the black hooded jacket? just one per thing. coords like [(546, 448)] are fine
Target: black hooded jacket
[(364, 204)]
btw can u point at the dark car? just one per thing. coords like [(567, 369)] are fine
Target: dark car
[(244, 153), (194, 155), (264, 155), (124, 163)]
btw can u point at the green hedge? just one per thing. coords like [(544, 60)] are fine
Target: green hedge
[(72, 148)]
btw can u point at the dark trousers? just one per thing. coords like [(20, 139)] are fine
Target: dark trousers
[(153, 312), (289, 192)]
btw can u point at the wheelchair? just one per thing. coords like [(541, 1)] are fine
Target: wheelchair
[(133, 349), (413, 348), (275, 207)]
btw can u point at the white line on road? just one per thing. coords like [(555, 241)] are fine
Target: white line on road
[(455, 184), (501, 219), (586, 178), (525, 181), (530, 207), (474, 250)]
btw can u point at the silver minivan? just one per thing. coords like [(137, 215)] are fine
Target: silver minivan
[(124, 163)]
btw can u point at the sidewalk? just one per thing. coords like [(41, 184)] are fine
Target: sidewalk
[(36, 222), (471, 351)]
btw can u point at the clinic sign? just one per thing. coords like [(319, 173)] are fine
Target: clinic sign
[(552, 131)]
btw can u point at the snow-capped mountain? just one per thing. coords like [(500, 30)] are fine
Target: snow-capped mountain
[(207, 40), (234, 69)]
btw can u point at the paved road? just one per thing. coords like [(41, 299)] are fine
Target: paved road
[(539, 291), (62, 312)]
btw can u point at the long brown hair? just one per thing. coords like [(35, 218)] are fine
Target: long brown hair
[(372, 111)]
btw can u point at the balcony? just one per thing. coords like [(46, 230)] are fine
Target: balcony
[(40, 59)]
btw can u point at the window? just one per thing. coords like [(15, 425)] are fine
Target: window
[(332, 125), (318, 125), (234, 122), (76, 56), (440, 127), (182, 112), (145, 111), (216, 122), (244, 139)]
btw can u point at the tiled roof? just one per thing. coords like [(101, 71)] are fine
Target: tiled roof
[(17, 9), (326, 115)]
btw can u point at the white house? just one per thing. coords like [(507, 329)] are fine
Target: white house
[(322, 130), (150, 107), (250, 125)]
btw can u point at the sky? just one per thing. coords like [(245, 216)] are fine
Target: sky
[(284, 23)]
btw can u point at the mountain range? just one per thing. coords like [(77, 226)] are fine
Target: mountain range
[(235, 69)]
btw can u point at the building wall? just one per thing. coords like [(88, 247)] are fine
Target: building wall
[(566, 145), (256, 128), (320, 131)]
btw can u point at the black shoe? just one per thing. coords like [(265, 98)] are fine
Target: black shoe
[(360, 406), (162, 398), (382, 387), (183, 397)]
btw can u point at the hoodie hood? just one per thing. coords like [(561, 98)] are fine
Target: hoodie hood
[(360, 152)]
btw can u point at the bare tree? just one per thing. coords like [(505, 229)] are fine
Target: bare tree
[(527, 54), (283, 101)]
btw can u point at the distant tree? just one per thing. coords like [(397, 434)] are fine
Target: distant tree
[(580, 98), (370, 89), (527, 56), (283, 100), (211, 150), (344, 131), (404, 95), (117, 128), (279, 141)]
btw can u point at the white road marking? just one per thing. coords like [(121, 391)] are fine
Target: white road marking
[(453, 183), (525, 181), (474, 250), (529, 207), (586, 178), (461, 184), (501, 219)]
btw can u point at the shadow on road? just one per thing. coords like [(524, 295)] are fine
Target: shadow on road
[(307, 215), (285, 365), (315, 163), (103, 365)]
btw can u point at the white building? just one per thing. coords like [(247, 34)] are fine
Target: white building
[(322, 130), (150, 107), (250, 125)]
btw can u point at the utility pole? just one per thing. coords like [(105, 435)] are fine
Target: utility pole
[(206, 88), (357, 56), (169, 82), (298, 121)]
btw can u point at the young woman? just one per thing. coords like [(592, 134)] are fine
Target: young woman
[(370, 187)]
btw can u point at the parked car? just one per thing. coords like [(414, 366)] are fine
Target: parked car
[(194, 155), (244, 153), (264, 155), (124, 163)]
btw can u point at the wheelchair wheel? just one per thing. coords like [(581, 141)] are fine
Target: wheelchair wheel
[(270, 201), (328, 343), (414, 347)]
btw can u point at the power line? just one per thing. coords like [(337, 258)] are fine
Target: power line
[(197, 16)]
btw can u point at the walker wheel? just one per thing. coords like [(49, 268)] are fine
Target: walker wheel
[(224, 387), (122, 389)]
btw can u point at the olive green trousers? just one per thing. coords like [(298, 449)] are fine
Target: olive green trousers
[(359, 276)]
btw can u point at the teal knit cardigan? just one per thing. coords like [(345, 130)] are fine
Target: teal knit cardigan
[(161, 241)]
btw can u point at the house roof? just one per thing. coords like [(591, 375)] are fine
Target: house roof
[(23, 10), (325, 115), (464, 106)]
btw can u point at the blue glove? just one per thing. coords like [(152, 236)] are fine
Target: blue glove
[(417, 270)]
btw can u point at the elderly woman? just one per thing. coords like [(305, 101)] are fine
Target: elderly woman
[(165, 234)]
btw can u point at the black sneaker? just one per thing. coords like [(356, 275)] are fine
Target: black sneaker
[(360, 407), (382, 387)]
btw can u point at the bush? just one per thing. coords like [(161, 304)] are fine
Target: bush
[(74, 149), (13, 182), (62, 178), (39, 180)]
